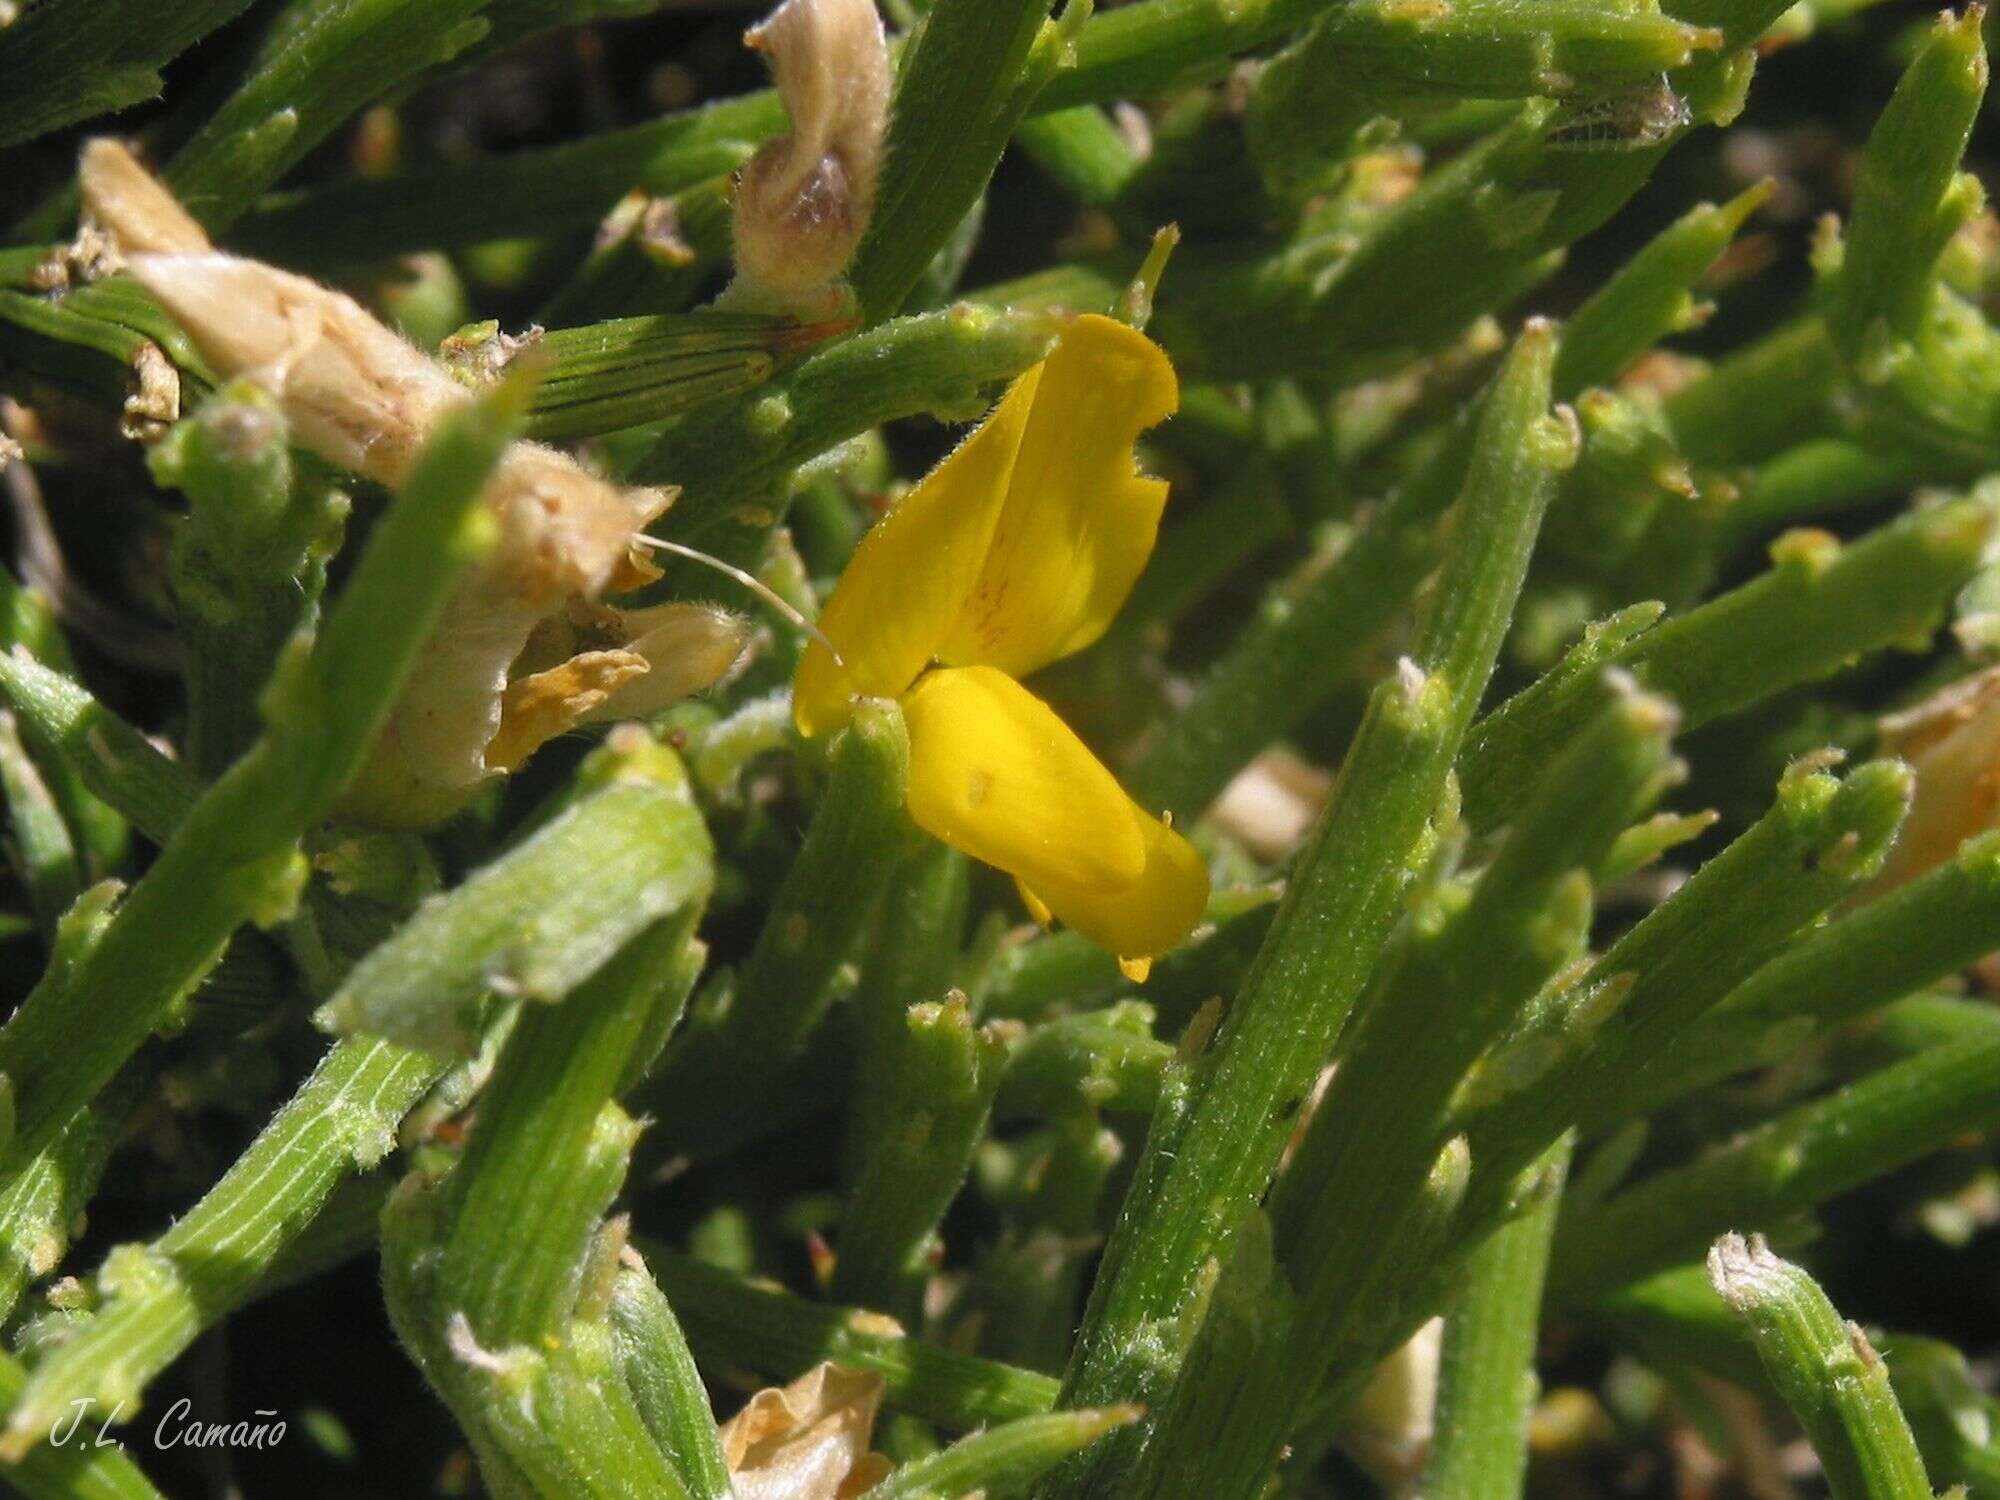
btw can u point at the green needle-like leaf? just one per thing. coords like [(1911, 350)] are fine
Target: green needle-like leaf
[(1828, 1372), (234, 858)]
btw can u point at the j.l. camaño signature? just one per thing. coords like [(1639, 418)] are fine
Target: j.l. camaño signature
[(177, 1428)]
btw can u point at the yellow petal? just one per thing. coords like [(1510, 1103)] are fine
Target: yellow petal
[(1079, 521), (909, 577), (1147, 917), (994, 772)]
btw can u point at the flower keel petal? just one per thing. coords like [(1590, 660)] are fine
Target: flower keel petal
[(1146, 918), (994, 772)]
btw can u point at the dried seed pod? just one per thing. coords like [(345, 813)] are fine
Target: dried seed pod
[(804, 200)]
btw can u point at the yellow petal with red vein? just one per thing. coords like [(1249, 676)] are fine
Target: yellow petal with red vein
[(909, 578), (1079, 520)]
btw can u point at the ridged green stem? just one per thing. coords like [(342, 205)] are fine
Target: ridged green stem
[(1203, 1169)]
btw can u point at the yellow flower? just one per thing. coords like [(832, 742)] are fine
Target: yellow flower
[(1016, 551)]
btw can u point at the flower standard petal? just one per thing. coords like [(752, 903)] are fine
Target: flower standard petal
[(909, 577), (1079, 521), (994, 772)]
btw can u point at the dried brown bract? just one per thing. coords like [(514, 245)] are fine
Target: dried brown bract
[(804, 201), (1952, 742), (808, 1440)]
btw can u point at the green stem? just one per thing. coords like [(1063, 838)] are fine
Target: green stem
[(1650, 296), (1802, 1157), (1291, 659), (1136, 51), (1205, 1168), (28, 634), (735, 1323), (235, 857), (39, 1208), (532, 924), (528, 1195), (1362, 1174), (319, 63), (1820, 841), (962, 86), (908, 962), (551, 1420), (1761, 399), (1082, 150), (79, 1469), (1132, 51), (625, 372), (661, 252), (112, 759), (946, 1074), (1004, 1458), (1908, 197), (99, 341), (247, 566), (659, 1367), (1486, 1374), (1302, 645), (568, 185), (1939, 924), (67, 60), (1827, 1371), (40, 849), (1108, 1060), (159, 1297), (1824, 604), (721, 1070)]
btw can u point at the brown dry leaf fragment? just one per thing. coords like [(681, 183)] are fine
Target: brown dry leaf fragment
[(91, 256), (684, 648), (1952, 742), (634, 571), (687, 649), (1272, 804), (808, 1440), (155, 402), (354, 392), (1391, 1425), (537, 708)]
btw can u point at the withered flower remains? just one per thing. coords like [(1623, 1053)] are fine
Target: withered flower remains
[(525, 651)]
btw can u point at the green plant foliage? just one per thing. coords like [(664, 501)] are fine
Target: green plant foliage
[(1569, 652)]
